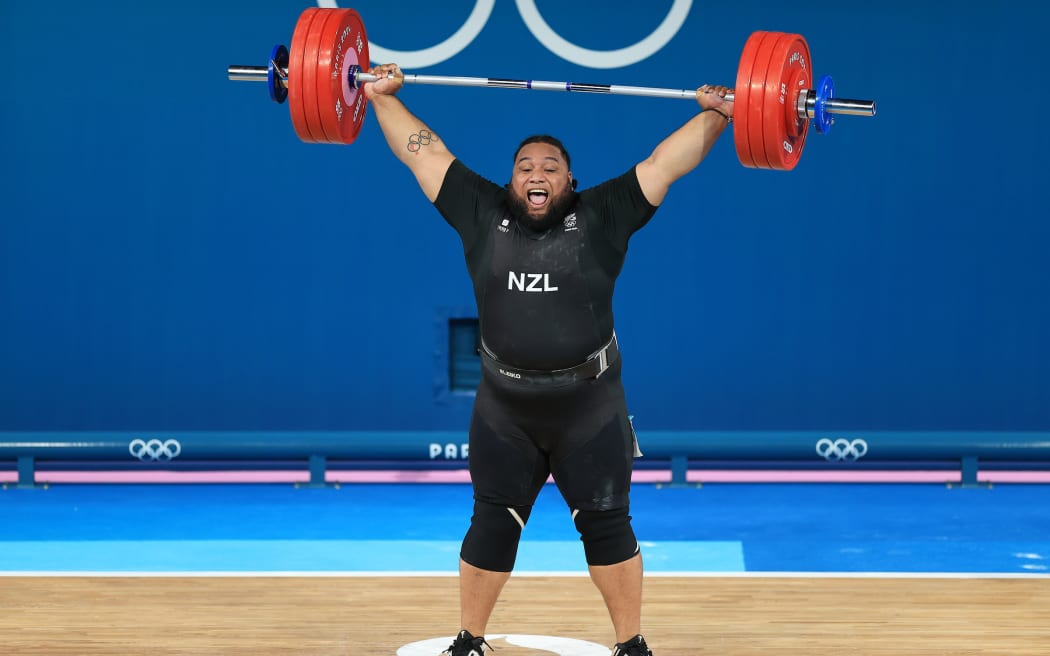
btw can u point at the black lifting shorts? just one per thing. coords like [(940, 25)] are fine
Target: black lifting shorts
[(578, 432)]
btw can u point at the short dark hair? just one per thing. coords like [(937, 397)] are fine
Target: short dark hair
[(547, 139)]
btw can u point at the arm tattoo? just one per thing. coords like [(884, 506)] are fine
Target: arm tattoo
[(417, 141)]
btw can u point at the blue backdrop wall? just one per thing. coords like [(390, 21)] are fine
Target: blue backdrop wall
[(172, 257)]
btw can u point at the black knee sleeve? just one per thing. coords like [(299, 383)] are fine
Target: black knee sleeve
[(491, 542), (606, 534)]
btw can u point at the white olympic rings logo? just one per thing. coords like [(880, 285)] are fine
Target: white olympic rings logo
[(155, 450), (842, 449), (549, 644), (553, 41)]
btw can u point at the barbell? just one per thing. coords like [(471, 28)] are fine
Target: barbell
[(322, 74)]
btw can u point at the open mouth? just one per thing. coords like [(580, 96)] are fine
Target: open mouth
[(537, 197)]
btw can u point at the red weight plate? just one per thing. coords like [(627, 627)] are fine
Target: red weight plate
[(756, 99), (789, 74), (342, 106), (320, 41), (295, 74), (311, 73), (740, 98)]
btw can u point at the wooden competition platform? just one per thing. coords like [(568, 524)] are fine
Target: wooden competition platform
[(374, 615)]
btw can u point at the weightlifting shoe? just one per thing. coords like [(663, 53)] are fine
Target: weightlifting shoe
[(634, 647), (467, 645)]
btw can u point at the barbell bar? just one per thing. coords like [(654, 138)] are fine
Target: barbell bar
[(806, 104), (322, 74)]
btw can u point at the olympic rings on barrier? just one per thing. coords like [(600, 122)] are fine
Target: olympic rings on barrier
[(554, 42), (154, 450), (842, 450)]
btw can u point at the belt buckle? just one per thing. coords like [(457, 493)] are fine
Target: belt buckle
[(603, 361), (603, 357)]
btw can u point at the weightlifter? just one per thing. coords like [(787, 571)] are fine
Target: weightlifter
[(543, 259)]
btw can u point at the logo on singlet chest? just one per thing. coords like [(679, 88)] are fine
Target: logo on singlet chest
[(530, 282)]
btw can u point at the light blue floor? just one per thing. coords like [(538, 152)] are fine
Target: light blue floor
[(331, 555), (887, 528)]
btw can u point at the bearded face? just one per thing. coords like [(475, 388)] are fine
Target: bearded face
[(541, 192), (554, 212)]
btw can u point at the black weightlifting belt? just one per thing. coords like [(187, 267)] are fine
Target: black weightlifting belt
[(592, 367)]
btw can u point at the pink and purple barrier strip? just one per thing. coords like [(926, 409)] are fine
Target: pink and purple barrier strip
[(965, 457)]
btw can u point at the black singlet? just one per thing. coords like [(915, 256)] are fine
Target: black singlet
[(544, 300)]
